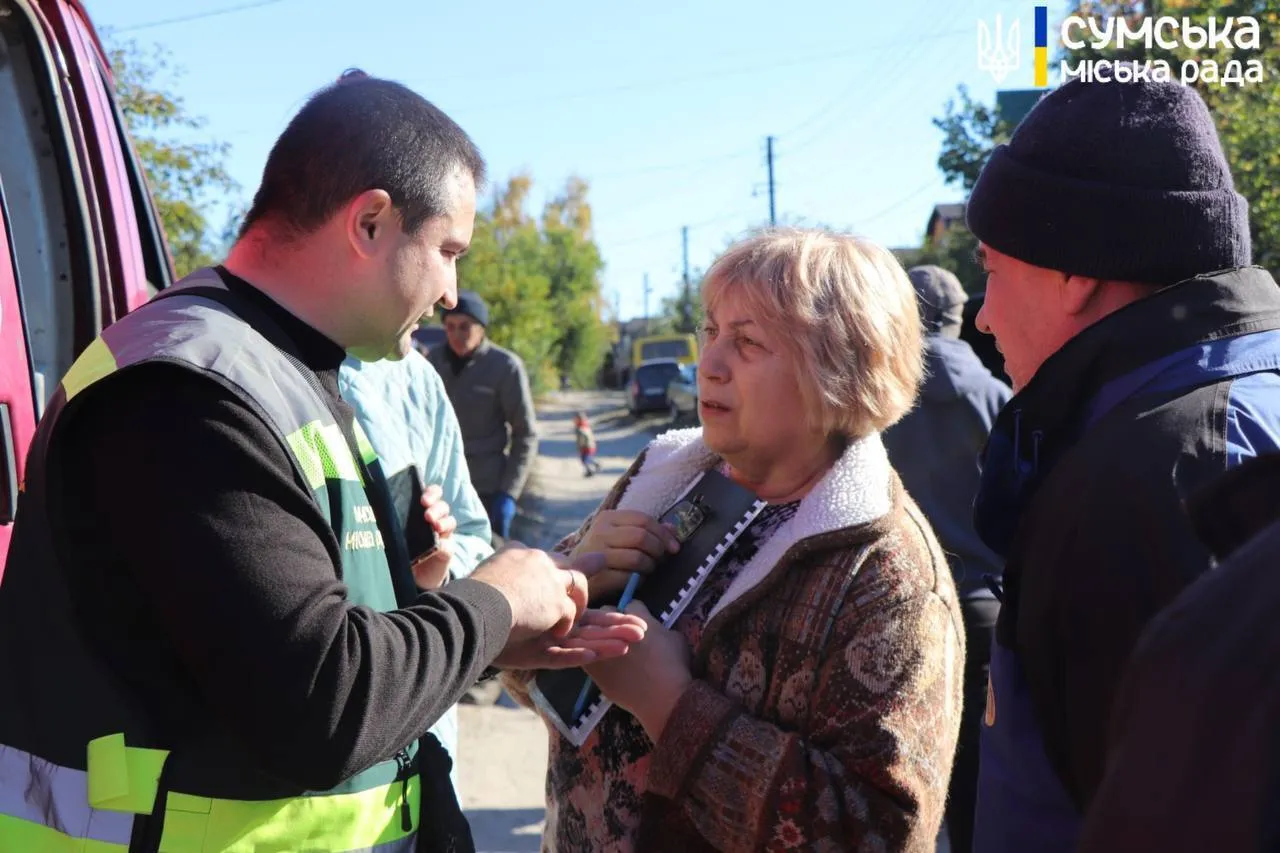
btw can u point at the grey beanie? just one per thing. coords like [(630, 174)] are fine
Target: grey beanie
[(471, 305), (1120, 181), (941, 299)]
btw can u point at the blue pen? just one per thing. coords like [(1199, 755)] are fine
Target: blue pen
[(627, 594)]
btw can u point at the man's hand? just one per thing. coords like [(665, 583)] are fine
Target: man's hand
[(551, 627), (431, 570), (547, 594), (630, 542), (599, 635)]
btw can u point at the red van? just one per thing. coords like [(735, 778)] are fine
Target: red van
[(80, 242)]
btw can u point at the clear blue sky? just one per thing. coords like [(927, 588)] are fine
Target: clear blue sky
[(662, 106)]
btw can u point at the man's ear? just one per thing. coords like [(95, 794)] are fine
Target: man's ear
[(1077, 293), (369, 218)]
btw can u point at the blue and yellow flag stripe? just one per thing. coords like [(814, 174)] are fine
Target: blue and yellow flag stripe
[(1042, 45)]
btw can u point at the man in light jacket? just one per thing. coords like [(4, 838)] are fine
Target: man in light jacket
[(404, 410)]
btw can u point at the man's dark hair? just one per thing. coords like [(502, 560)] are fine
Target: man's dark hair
[(358, 134)]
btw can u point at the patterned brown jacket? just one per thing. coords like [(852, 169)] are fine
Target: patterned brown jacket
[(827, 702)]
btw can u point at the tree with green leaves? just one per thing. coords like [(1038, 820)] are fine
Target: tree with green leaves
[(680, 313), (955, 252), (184, 176), (541, 280), (970, 132), (573, 265)]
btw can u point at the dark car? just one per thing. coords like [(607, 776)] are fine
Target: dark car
[(647, 390), (984, 346), (682, 395)]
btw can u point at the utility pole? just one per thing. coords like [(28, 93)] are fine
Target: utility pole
[(647, 290), (773, 219), (686, 308)]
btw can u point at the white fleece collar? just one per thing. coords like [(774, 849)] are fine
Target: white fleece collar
[(855, 491)]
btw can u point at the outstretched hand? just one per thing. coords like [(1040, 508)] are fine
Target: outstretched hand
[(598, 635)]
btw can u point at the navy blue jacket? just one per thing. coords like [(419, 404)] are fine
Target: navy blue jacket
[(1084, 479), (937, 447)]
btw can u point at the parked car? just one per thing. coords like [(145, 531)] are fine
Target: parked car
[(682, 396), (647, 390), (80, 242)]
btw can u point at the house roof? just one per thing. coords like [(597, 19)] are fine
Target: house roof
[(950, 212)]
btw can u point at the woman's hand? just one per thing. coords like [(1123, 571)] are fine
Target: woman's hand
[(631, 542), (597, 635), (650, 678), (431, 570)]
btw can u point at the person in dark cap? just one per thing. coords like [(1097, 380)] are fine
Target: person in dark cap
[(1144, 352), (490, 392), (935, 449)]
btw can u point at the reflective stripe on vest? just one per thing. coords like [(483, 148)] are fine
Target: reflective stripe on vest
[(210, 338), (319, 449), (45, 808)]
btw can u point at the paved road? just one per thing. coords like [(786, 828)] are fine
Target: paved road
[(502, 748)]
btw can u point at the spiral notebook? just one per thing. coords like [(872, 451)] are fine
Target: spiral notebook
[(708, 517)]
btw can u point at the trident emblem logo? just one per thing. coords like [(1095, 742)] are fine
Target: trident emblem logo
[(998, 53)]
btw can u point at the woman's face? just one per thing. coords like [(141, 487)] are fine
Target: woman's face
[(748, 394)]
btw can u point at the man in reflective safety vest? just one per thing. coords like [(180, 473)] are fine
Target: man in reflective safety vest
[(210, 638)]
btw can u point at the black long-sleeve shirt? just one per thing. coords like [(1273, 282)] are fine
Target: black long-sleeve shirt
[(209, 578)]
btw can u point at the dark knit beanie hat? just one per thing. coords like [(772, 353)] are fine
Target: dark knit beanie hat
[(470, 304), (1119, 181)]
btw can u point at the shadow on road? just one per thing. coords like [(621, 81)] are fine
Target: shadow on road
[(506, 830)]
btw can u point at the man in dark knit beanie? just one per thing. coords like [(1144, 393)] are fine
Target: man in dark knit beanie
[(489, 390), (1145, 358)]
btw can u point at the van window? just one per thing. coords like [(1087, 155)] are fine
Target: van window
[(657, 375), (31, 172), (678, 348)]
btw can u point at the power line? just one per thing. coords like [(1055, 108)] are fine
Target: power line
[(634, 86), (903, 59), (674, 167), (198, 16), (805, 55), (900, 202), (665, 233), (860, 80), (644, 85)]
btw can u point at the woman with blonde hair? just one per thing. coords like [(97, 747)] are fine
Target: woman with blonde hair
[(809, 696)]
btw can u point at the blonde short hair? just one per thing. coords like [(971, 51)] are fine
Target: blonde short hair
[(848, 316)]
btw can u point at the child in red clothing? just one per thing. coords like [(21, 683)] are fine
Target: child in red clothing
[(586, 440)]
